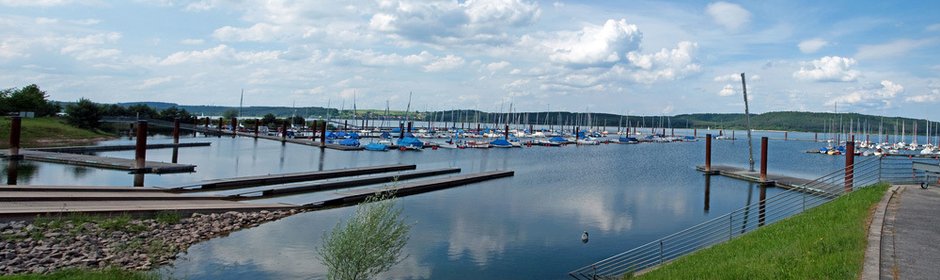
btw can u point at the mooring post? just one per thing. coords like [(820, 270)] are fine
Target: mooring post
[(313, 126), (786, 135), (221, 120), (410, 124), (323, 135), (346, 125), (401, 130), (257, 127), (234, 127), (140, 151), (576, 134), (672, 131), (478, 128), (284, 132), (176, 131), (506, 132), (763, 160), (708, 153), (849, 164), (695, 132), (815, 136), (15, 129)]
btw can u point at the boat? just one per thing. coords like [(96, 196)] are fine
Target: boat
[(410, 143), (350, 142), (627, 140), (500, 143), (378, 147)]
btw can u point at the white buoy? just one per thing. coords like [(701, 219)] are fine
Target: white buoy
[(584, 237)]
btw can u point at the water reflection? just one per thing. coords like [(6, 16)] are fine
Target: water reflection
[(20, 171), (708, 191), (80, 171), (139, 179)]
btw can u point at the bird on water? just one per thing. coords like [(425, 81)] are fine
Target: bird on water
[(584, 237)]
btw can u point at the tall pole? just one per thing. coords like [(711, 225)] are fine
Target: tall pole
[(747, 118)]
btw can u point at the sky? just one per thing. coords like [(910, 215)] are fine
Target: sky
[(624, 57)]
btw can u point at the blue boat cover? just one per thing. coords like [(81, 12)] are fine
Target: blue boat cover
[(558, 139), (353, 135), (376, 147), (500, 142), (349, 142), (410, 141)]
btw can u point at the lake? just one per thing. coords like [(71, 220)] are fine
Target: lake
[(522, 227)]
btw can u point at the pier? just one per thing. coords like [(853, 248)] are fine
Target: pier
[(271, 179), (114, 148), (102, 162), (306, 187), (358, 195)]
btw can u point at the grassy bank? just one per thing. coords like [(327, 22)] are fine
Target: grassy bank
[(44, 132), (87, 274), (827, 242)]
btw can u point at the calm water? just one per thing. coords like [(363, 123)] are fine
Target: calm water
[(523, 227)]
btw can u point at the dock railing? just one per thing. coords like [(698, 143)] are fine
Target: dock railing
[(866, 172)]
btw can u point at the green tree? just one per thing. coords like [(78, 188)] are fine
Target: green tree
[(268, 119), (28, 99), (84, 114), (143, 111), (174, 112), (369, 243), (229, 114)]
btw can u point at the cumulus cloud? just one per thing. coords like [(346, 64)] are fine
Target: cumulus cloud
[(36, 3), (192, 41), (731, 16), (596, 44), (728, 90), (476, 21), (891, 49), (496, 66), (218, 54), (445, 63), (828, 69), (931, 95), (878, 96), (667, 64), (736, 77), (812, 45), (260, 32)]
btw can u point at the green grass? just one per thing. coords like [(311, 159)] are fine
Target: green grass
[(827, 242), (89, 274), (41, 132)]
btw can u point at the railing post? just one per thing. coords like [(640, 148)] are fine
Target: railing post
[(176, 131), (849, 164), (661, 260), (730, 226)]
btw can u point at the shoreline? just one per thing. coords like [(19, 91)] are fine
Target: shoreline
[(46, 244)]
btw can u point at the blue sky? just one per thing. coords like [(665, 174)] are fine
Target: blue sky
[(634, 57)]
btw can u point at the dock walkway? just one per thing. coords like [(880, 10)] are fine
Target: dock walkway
[(103, 162), (112, 148), (271, 179), (778, 180), (357, 195)]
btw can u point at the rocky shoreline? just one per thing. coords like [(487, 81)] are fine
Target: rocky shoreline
[(45, 245)]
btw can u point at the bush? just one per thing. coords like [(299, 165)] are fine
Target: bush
[(84, 114)]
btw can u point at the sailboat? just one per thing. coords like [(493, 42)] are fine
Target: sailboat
[(380, 146)]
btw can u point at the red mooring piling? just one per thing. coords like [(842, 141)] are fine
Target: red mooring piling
[(323, 135), (708, 153), (15, 130), (763, 159), (140, 151), (849, 164), (284, 132)]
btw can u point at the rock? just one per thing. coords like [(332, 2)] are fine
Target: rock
[(39, 270)]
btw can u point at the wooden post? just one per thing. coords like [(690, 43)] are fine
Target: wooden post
[(401, 130), (708, 153), (257, 127), (140, 151), (786, 135), (346, 125), (176, 131), (15, 130), (695, 132), (410, 124), (849, 164), (763, 160), (506, 133), (234, 127), (815, 136), (221, 120), (284, 132), (323, 135), (314, 128)]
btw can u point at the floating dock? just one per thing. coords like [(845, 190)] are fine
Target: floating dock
[(307, 187), (103, 162), (358, 195), (26, 202), (271, 179), (777, 180), (112, 148)]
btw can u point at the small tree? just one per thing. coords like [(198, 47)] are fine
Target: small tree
[(84, 114), (368, 244), (268, 119)]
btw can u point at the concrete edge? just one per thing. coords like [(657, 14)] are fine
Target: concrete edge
[(871, 268)]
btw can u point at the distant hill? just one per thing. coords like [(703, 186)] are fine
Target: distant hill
[(787, 120)]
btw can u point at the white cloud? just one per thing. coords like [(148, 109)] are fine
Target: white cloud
[(36, 3), (218, 54), (880, 96), (828, 69), (728, 90), (812, 45), (473, 21), (731, 16), (445, 63), (891, 49), (736, 77), (260, 32), (192, 41), (596, 44), (931, 95), (667, 64), (152, 82), (496, 66)]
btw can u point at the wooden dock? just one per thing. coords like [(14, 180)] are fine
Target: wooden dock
[(102, 162), (358, 195), (306, 187), (112, 148), (283, 178), (300, 141), (782, 181), (26, 202)]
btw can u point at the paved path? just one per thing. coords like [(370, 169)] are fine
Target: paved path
[(910, 236)]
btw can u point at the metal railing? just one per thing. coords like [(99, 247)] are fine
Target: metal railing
[(866, 172)]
